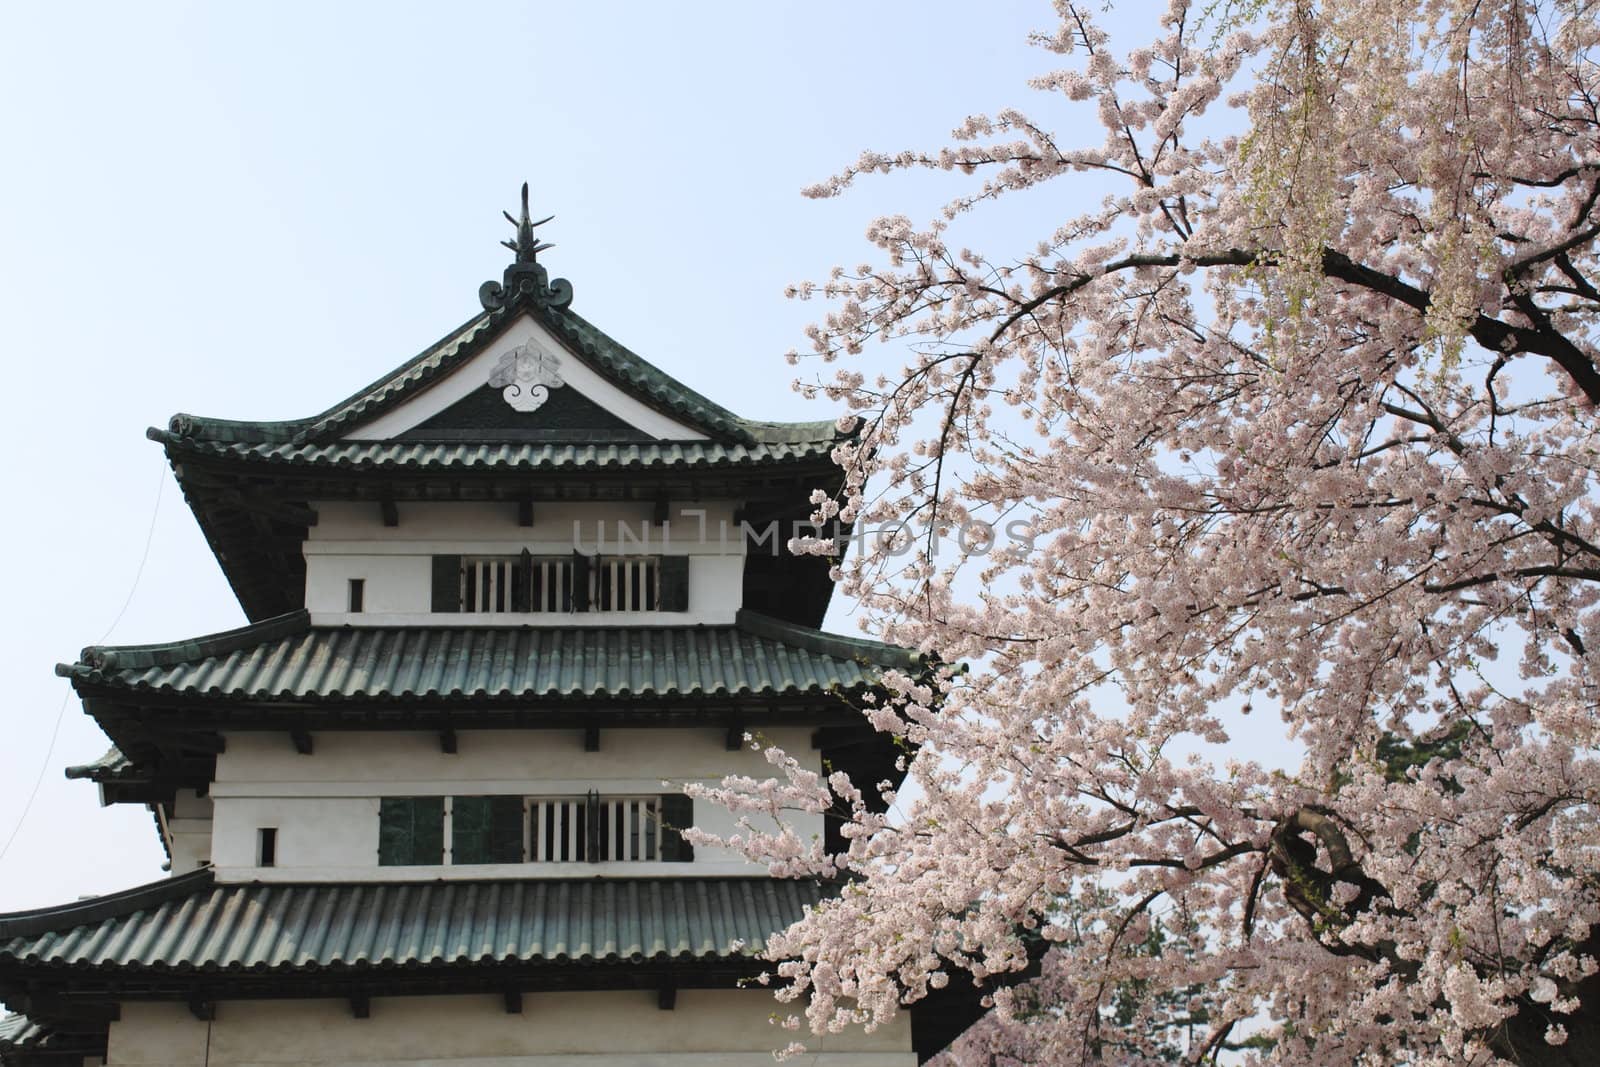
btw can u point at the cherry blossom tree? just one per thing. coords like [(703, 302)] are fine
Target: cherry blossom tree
[(1301, 418)]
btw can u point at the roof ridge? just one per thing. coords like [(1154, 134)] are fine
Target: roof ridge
[(608, 356), (166, 653), (628, 368), (97, 909)]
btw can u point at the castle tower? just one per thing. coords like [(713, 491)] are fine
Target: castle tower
[(425, 807)]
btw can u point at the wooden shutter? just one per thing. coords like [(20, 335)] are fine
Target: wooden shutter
[(410, 831), (446, 583), (486, 829), (522, 583), (677, 813), (674, 583), (578, 591), (469, 830), (505, 829)]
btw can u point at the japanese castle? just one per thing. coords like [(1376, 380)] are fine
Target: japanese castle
[(425, 807)]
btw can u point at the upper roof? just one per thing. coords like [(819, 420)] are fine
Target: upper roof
[(527, 401), (782, 447), (526, 291)]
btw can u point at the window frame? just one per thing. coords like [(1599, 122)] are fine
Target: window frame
[(647, 825)]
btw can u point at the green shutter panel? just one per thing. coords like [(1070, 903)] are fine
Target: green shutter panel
[(522, 583), (469, 830), (446, 583), (427, 841), (394, 831), (578, 594), (674, 583), (677, 813), (410, 831), (505, 829)]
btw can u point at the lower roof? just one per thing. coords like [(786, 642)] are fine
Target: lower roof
[(190, 938), (192, 924)]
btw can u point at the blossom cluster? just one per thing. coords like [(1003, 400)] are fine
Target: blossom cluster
[(1302, 417)]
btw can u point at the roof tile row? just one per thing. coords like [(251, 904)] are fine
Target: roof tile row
[(232, 928)]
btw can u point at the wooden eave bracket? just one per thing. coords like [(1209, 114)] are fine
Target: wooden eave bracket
[(204, 1010), (302, 740), (591, 739), (360, 1006), (513, 1001), (390, 511), (667, 996), (447, 740), (525, 510), (733, 741)]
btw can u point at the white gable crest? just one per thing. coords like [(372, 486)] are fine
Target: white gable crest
[(525, 375), (522, 363)]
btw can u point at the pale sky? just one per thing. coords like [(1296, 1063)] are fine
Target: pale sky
[(250, 212)]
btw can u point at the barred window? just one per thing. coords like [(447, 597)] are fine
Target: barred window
[(434, 831), (529, 584)]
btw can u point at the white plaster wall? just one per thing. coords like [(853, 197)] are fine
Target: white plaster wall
[(707, 1028), (189, 831), (474, 374), (325, 805), (316, 831), (350, 541), (494, 522)]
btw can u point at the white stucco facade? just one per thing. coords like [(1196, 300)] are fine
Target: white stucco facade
[(395, 563), (324, 806), (706, 1028)]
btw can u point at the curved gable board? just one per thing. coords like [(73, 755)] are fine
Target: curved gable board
[(474, 374)]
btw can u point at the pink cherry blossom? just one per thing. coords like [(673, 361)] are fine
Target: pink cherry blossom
[(1295, 385)]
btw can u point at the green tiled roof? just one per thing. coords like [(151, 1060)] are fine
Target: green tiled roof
[(515, 455), (20, 1032), (190, 923), (287, 659), (317, 439)]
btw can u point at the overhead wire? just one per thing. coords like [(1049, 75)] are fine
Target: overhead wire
[(61, 712)]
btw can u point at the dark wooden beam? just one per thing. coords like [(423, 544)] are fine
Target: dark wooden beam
[(525, 511), (447, 741), (361, 1006), (302, 740), (513, 1002), (667, 996), (282, 510), (204, 1010), (734, 740), (591, 739), (391, 513), (662, 507), (173, 742), (67, 1009)]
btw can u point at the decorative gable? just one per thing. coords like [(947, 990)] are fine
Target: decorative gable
[(524, 385)]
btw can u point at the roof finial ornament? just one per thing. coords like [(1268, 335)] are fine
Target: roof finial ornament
[(525, 282), (526, 246)]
